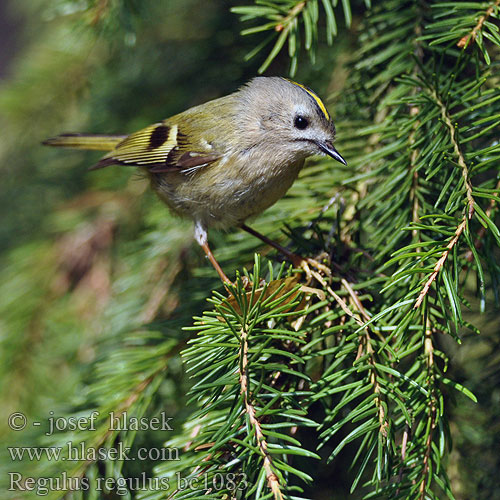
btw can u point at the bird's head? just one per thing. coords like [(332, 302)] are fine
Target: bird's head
[(286, 115)]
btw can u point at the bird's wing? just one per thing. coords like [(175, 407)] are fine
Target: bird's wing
[(161, 147)]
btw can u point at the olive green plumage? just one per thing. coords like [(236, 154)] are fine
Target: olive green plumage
[(229, 159)]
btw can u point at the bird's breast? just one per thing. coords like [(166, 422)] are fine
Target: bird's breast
[(231, 190)]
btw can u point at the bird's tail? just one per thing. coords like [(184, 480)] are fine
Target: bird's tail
[(96, 142)]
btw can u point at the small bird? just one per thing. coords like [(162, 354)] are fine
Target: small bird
[(225, 161)]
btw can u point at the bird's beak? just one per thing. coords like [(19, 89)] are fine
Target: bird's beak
[(327, 148)]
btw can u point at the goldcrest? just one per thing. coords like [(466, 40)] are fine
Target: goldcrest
[(225, 161)]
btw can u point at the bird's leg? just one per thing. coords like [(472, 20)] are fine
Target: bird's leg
[(287, 253), (201, 236), (297, 260), (214, 262)]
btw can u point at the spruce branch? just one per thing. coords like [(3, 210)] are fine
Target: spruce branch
[(470, 200), (366, 345), (285, 20), (440, 263), (337, 298), (364, 342), (456, 148), (471, 37), (431, 408), (272, 479), (252, 389)]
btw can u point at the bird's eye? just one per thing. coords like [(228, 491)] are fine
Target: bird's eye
[(300, 122)]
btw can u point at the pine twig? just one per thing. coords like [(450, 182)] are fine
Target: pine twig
[(440, 262), (471, 37), (470, 202), (337, 298), (359, 306), (293, 13), (369, 349), (272, 479), (458, 153)]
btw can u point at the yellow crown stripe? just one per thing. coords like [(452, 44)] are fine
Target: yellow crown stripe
[(319, 102)]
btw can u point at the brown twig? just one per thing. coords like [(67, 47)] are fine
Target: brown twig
[(294, 12), (375, 384), (272, 479), (355, 299), (365, 340), (337, 298), (440, 262), (404, 444), (366, 343), (469, 211), (458, 154), (471, 37)]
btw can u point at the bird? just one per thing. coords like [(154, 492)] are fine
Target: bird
[(225, 161)]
